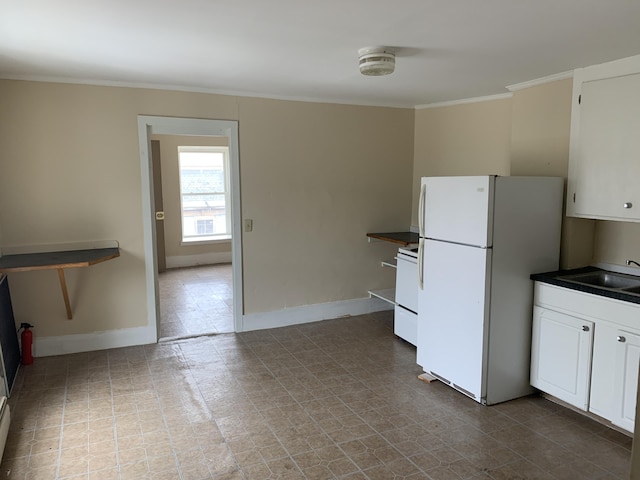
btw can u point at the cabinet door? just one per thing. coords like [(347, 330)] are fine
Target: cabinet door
[(603, 364), (561, 356), (626, 379), (608, 149)]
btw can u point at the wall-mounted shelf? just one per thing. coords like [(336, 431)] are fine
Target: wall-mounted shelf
[(389, 263), (388, 295), (26, 262), (402, 238)]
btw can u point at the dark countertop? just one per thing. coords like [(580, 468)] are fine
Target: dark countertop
[(402, 238), (54, 260), (552, 279)]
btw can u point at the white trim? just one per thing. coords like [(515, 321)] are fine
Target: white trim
[(210, 241), (148, 125), (615, 68), (313, 313), (180, 261), (88, 342), (501, 96), (450, 103), (540, 81), (224, 151), (187, 89)]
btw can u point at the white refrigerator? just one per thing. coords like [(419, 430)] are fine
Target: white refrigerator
[(480, 239)]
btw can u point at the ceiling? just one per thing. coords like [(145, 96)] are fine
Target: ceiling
[(302, 49)]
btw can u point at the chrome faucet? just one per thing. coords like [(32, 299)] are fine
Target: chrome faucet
[(629, 262)]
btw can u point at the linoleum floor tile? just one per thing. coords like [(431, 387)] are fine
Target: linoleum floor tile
[(337, 399)]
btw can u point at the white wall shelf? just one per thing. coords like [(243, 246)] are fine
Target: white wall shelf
[(387, 294)]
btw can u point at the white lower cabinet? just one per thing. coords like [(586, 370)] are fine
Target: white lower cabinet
[(561, 356), (586, 351), (625, 385)]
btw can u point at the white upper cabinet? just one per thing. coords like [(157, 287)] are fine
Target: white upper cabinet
[(604, 160)]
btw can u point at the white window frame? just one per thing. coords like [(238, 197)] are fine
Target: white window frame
[(215, 238)]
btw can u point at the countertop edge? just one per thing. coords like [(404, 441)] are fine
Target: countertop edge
[(551, 279)]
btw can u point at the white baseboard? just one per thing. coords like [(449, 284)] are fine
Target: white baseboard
[(181, 261), (88, 342), (128, 337), (312, 313)]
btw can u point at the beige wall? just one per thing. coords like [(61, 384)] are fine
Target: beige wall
[(171, 199), (540, 146), (541, 117), (615, 242), (527, 134), (540, 130), (467, 139), (315, 178)]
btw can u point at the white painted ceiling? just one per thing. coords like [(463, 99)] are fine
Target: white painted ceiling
[(305, 49)]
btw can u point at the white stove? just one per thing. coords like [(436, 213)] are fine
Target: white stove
[(405, 319)]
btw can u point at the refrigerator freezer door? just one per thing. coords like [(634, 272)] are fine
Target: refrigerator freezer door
[(453, 312), (459, 209)]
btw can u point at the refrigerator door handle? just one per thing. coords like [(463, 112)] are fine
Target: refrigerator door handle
[(421, 209), (421, 263)]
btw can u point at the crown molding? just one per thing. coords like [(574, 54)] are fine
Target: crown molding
[(540, 81), (488, 98)]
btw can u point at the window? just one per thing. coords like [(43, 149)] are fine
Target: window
[(204, 193)]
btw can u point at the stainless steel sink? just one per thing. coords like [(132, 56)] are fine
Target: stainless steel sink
[(609, 280)]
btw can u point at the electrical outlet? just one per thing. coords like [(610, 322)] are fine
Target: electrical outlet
[(248, 225)]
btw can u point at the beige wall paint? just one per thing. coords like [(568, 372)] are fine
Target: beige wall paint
[(541, 118), (527, 134), (540, 146), (466, 139), (320, 177), (171, 196), (615, 242), (315, 178)]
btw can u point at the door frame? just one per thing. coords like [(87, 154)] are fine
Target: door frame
[(148, 125)]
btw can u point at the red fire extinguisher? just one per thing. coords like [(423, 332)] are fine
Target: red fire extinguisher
[(27, 341)]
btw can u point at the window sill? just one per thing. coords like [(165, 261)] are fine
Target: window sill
[(206, 241)]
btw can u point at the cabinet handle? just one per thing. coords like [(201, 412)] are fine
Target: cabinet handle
[(621, 339), (585, 328), (627, 205)]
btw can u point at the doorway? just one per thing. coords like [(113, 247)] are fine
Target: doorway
[(196, 301), (148, 126), (192, 193)]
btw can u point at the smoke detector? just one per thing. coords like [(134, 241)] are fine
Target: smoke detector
[(377, 61)]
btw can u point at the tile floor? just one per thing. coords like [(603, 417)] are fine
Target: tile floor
[(337, 399), (196, 301)]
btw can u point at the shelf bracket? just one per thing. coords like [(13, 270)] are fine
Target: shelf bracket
[(65, 293)]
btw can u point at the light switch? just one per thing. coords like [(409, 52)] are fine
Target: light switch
[(248, 225)]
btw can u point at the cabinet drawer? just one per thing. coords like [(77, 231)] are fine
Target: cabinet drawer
[(405, 325)]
